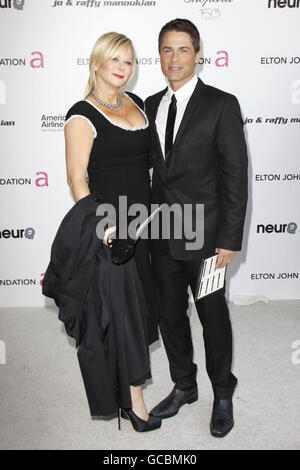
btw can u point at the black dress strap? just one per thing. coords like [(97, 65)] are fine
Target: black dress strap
[(84, 109), (136, 99)]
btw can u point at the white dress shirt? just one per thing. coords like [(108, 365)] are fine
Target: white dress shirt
[(182, 95)]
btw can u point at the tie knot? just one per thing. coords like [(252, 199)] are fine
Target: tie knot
[(173, 99)]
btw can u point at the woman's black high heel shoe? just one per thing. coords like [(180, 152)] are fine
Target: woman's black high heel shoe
[(139, 424)]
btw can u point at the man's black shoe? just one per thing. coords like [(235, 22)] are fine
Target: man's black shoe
[(222, 417), (173, 402)]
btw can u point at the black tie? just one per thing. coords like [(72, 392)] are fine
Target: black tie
[(170, 127)]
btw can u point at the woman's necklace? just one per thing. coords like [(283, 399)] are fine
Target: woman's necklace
[(114, 107)]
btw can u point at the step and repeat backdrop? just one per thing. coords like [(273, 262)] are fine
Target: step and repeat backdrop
[(249, 48)]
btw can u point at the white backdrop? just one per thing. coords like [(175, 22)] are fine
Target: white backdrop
[(249, 48)]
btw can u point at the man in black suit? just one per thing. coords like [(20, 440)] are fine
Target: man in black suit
[(199, 157)]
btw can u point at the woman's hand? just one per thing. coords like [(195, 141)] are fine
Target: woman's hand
[(107, 232)]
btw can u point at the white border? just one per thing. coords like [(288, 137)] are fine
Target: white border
[(121, 127), (83, 117)]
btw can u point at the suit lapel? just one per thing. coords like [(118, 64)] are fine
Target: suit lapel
[(193, 103)]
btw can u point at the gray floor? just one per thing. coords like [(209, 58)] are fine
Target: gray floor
[(43, 403)]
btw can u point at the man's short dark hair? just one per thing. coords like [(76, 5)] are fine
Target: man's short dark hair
[(184, 26)]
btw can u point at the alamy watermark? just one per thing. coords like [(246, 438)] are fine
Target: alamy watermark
[(163, 221), (2, 352), (295, 358)]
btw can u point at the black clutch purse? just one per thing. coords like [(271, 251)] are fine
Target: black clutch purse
[(121, 249)]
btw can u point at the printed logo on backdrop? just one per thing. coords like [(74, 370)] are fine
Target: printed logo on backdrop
[(140, 61), (266, 177), (36, 61), (210, 13), (277, 228), (52, 123), (28, 233), (4, 123), (289, 228), (277, 60), (276, 121), (283, 3), (17, 282), (40, 182), (103, 3), (210, 8), (273, 276), (221, 59), (16, 4)]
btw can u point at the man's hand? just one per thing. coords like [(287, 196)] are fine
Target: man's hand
[(224, 257)]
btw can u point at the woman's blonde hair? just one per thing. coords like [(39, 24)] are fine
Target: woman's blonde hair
[(105, 48)]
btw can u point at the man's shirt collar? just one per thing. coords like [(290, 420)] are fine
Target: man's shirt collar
[(183, 92)]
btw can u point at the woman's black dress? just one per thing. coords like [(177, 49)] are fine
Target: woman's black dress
[(118, 165)]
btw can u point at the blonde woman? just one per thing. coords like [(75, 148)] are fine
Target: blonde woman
[(107, 136)]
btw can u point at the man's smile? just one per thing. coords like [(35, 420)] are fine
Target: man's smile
[(174, 68)]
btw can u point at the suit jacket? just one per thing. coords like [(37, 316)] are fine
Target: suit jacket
[(208, 165)]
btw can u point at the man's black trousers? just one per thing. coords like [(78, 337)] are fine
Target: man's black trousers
[(172, 278)]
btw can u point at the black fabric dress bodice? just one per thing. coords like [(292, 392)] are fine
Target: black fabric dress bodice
[(118, 163)]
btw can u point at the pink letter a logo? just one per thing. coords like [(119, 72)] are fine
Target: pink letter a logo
[(43, 180), (38, 60), (222, 61)]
